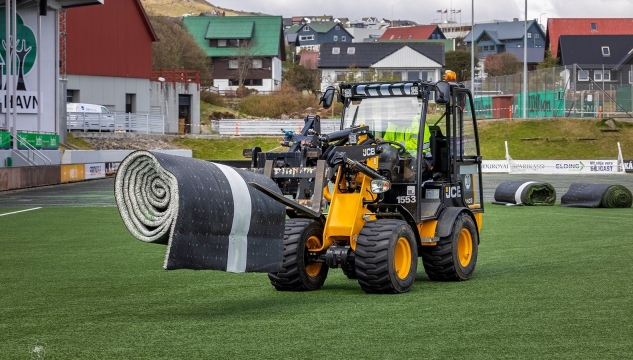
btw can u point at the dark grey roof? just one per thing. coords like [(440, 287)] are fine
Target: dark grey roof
[(292, 38), (587, 49), (534, 55), (505, 30), (287, 21), (367, 54)]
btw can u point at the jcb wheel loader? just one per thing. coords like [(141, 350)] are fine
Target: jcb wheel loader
[(370, 199)]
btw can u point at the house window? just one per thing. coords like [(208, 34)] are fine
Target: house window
[(233, 64), (340, 76), (366, 75), (606, 76), (630, 76), (257, 82), (391, 38), (337, 27), (606, 51), (336, 50), (335, 37), (597, 75), (413, 75), (351, 50), (343, 38), (529, 35), (221, 43), (306, 28), (583, 75), (257, 63), (594, 27), (537, 36), (234, 82), (306, 38)]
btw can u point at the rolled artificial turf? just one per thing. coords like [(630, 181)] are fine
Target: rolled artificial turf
[(525, 193), (597, 195)]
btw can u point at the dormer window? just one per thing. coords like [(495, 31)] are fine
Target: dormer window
[(594, 27), (605, 51), (351, 50), (306, 28), (336, 50)]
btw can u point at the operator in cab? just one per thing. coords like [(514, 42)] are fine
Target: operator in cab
[(408, 136)]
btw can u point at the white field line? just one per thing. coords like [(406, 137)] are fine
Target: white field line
[(15, 212)]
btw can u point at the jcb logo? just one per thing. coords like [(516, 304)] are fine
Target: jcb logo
[(369, 152), (453, 192)]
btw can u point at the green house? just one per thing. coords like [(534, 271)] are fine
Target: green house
[(247, 47)]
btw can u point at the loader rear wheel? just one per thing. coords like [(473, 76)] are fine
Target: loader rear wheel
[(299, 272), (455, 256), (386, 257)]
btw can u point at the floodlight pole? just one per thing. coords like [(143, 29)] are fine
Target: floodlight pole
[(525, 64), (472, 46)]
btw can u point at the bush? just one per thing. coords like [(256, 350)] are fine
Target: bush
[(286, 101), (212, 98)]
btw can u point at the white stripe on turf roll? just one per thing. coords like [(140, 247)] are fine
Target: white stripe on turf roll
[(517, 194), (238, 238)]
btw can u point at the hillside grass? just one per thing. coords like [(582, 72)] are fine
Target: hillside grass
[(75, 282), (78, 143), (556, 139), (227, 149)]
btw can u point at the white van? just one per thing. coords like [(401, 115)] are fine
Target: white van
[(88, 117)]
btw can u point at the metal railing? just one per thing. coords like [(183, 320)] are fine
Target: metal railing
[(241, 127), (116, 122), (31, 152)]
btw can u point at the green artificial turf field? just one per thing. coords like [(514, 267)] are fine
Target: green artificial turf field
[(551, 282)]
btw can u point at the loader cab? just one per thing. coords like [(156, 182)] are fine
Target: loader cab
[(454, 180)]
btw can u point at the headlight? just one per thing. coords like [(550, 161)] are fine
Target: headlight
[(379, 186)]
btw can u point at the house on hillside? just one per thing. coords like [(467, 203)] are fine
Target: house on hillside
[(380, 60), (313, 34), (118, 72), (508, 36), (255, 42), (367, 34), (596, 61), (418, 32), (584, 26)]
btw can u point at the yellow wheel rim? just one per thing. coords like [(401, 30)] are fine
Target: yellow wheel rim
[(464, 247), (402, 258), (314, 268)]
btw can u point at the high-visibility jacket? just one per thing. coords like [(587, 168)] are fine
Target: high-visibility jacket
[(408, 136)]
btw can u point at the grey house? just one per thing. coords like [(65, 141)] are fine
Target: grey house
[(596, 61), (498, 37), (311, 35)]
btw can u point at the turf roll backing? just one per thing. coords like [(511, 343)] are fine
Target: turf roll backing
[(204, 212), (597, 195), (525, 193)]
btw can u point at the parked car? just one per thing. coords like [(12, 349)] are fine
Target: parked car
[(89, 117)]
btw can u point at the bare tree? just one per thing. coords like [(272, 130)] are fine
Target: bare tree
[(177, 49), (244, 59)]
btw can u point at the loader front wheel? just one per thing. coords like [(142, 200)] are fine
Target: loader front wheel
[(299, 270), (455, 256), (386, 257)]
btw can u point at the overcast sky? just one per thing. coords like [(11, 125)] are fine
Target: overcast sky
[(425, 12)]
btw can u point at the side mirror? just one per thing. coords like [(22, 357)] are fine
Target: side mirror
[(327, 97), (442, 92)]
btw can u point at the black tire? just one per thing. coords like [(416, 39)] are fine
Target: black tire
[(350, 271), (386, 257), (298, 273), (455, 256)]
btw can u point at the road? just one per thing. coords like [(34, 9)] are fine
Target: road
[(101, 192)]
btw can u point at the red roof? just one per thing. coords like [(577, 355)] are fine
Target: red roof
[(583, 26), (419, 32), (309, 59)]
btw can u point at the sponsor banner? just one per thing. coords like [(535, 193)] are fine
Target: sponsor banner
[(75, 172), (628, 166), (39, 141), (26, 102), (551, 166), (111, 167), (5, 140), (494, 166), (95, 170)]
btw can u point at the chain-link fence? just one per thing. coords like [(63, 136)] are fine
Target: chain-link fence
[(595, 91)]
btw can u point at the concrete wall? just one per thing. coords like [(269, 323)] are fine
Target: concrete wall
[(54, 155), (111, 91), (164, 101)]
